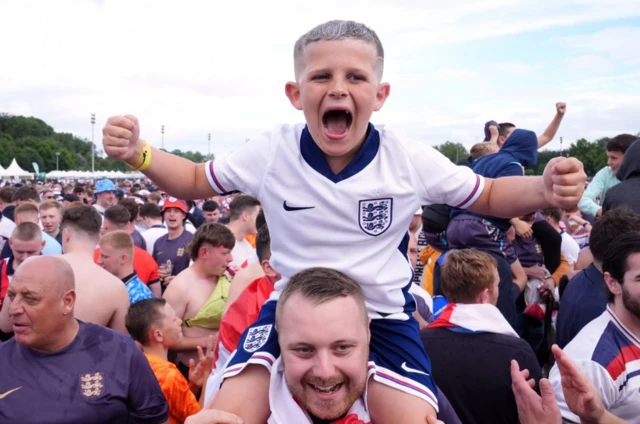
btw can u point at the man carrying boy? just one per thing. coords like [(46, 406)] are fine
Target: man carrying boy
[(356, 186)]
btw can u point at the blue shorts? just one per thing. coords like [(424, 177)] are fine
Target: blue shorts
[(396, 354)]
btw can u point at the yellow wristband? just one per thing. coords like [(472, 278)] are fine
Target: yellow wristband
[(144, 158)]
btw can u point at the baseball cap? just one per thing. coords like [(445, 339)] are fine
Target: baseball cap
[(172, 202)]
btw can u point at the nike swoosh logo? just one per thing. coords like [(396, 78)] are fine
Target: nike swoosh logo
[(4, 395), (407, 369), (293, 208)]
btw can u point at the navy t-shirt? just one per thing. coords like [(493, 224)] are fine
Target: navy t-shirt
[(138, 240), (173, 252), (584, 300), (101, 377)]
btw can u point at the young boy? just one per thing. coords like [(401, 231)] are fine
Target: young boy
[(353, 188), (154, 325)]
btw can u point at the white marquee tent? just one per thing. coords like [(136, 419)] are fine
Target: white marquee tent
[(14, 171), (88, 175)]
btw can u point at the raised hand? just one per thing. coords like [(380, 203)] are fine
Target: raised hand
[(581, 395), (561, 108), (121, 138), (199, 373), (533, 409), (564, 180)]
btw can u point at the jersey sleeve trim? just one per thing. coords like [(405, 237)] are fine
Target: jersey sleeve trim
[(213, 180), (475, 193)]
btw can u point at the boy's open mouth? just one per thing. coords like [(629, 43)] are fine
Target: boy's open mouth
[(336, 122)]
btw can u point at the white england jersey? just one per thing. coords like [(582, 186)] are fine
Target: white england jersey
[(609, 354), (355, 222)]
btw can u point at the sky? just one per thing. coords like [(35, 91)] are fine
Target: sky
[(219, 68)]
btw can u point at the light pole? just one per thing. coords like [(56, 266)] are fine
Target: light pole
[(209, 152), (561, 154), (57, 156), (162, 131), (93, 146)]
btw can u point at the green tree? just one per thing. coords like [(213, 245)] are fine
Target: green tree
[(29, 140), (591, 154), (454, 151)]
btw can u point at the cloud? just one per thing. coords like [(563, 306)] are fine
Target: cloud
[(619, 43), (589, 65), (202, 67)]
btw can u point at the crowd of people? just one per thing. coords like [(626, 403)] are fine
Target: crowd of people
[(333, 272)]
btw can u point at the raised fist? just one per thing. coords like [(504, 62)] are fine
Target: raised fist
[(121, 137), (561, 108), (564, 180)]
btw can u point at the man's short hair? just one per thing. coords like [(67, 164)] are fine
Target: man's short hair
[(131, 206), (117, 214), (241, 204), (337, 30), (27, 231), (609, 227), (78, 190), (119, 240), (150, 210), (26, 193), (154, 196), (615, 260), (505, 128), (143, 315), (82, 218), (320, 285), (261, 221), (210, 233), (466, 273), (50, 204), (263, 244), (6, 194), (482, 149), (210, 206), (621, 143), (553, 213), (26, 209)]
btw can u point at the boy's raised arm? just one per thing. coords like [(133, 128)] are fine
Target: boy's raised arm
[(552, 129), (561, 185), (177, 176)]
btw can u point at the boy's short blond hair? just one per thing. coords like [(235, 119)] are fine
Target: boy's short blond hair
[(337, 30), (482, 149), (50, 204), (119, 240)]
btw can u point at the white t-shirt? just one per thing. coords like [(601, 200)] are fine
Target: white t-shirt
[(355, 222), (151, 235), (241, 252), (6, 229), (609, 354), (569, 248)]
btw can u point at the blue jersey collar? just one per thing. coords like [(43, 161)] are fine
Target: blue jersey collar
[(315, 158)]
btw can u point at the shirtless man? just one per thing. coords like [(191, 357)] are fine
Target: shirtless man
[(101, 297), (198, 294)]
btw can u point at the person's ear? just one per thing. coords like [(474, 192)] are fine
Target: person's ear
[(612, 284), (292, 90), (384, 89)]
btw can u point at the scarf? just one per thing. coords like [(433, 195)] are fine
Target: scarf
[(285, 409), (473, 318)]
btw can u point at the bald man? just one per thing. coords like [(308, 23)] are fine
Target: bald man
[(65, 366), (102, 298)]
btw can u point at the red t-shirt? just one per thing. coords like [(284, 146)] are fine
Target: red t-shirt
[(243, 312), (143, 264)]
